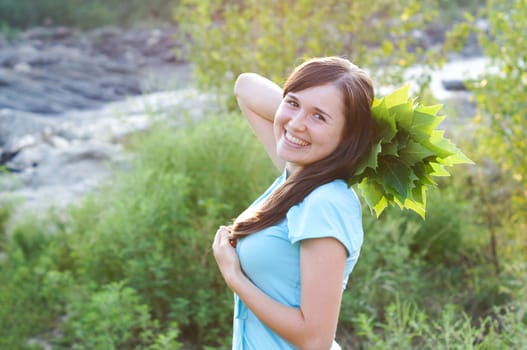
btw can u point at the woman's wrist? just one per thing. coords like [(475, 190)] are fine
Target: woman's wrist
[(235, 279)]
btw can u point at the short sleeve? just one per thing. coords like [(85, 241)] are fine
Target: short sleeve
[(331, 210)]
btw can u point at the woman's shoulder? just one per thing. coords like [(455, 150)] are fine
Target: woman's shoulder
[(334, 192), (330, 210)]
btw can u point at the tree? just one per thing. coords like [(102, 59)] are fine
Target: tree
[(502, 96), (226, 37)]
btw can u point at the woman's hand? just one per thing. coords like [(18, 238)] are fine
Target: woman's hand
[(226, 256)]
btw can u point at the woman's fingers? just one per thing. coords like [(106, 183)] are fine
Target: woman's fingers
[(221, 237), (225, 255)]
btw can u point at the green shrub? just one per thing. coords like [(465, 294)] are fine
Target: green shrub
[(5, 213), (33, 292), (427, 263), (502, 98), (114, 318), (153, 227), (409, 327), (385, 270), (439, 237), (402, 329), (501, 135), (508, 326)]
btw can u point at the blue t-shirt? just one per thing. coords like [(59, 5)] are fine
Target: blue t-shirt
[(271, 257)]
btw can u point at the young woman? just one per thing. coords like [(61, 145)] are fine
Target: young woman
[(288, 256)]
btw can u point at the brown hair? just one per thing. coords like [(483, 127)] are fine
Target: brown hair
[(357, 92)]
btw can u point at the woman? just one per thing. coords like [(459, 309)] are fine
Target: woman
[(297, 244)]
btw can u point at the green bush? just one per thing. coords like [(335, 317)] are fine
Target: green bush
[(154, 226), (409, 327), (33, 292), (501, 134), (5, 213), (500, 183), (115, 318), (420, 266), (385, 269), (502, 97), (439, 237)]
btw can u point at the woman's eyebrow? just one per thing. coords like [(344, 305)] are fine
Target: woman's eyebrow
[(291, 95)]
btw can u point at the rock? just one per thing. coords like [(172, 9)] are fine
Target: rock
[(15, 125), (57, 69), (31, 158), (57, 161)]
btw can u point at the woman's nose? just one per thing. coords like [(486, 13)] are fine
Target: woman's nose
[(297, 121)]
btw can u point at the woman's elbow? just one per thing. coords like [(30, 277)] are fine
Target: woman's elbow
[(316, 342), (241, 83)]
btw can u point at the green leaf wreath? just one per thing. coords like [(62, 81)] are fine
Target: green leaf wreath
[(407, 152)]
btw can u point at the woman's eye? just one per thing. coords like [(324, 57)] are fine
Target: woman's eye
[(292, 103), (319, 116)]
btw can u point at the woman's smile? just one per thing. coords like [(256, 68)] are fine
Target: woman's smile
[(296, 141)]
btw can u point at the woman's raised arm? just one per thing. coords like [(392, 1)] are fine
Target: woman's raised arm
[(259, 98)]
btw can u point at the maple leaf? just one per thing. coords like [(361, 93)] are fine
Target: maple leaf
[(407, 151)]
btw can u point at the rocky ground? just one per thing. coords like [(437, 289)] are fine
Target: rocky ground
[(52, 70), (68, 99)]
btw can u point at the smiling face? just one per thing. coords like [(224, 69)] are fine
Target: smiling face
[(308, 125)]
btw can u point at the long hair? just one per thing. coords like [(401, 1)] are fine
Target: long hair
[(357, 91)]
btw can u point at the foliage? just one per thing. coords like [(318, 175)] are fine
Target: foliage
[(452, 11), (271, 37), (84, 14), (115, 318), (502, 97), (407, 151), (131, 266), (439, 239), (408, 327), (33, 291), (503, 101), (5, 213), (429, 264), (501, 92), (386, 266), (135, 259), (154, 229)]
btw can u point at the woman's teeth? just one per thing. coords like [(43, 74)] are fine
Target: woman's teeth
[(295, 140)]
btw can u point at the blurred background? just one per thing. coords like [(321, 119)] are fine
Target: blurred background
[(122, 151)]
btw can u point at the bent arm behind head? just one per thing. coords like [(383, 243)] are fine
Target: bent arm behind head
[(259, 94), (259, 98)]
